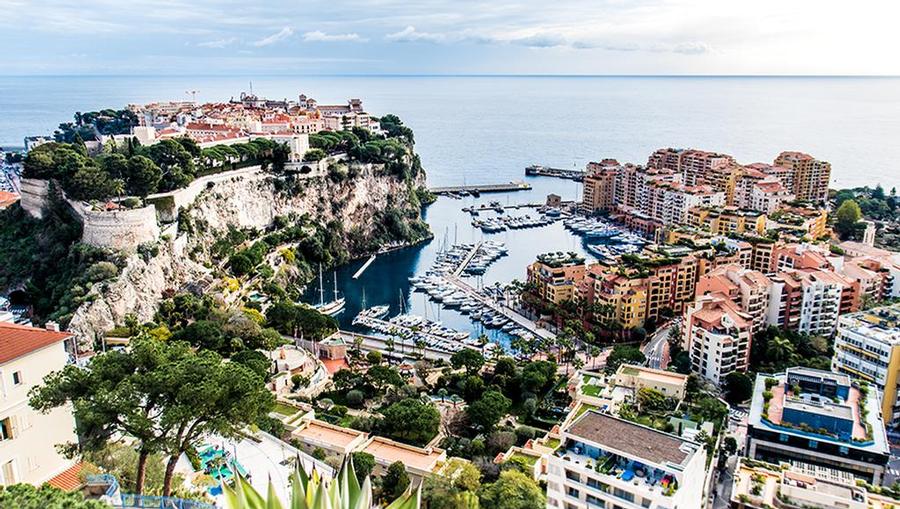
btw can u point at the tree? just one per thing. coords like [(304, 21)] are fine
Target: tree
[(26, 496), (729, 445), (488, 410), (738, 387), (206, 334), (513, 490), (143, 176), (463, 475), (846, 217), (314, 154), (207, 396), (363, 464), (374, 357), (411, 421), (469, 359), (256, 361), (122, 393), (624, 354), (381, 377), (395, 481)]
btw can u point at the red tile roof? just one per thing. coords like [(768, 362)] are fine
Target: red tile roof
[(68, 480), (19, 340), (7, 199)]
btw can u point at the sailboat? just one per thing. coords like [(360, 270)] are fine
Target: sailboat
[(335, 306)]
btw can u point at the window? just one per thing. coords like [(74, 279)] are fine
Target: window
[(8, 472), (572, 492), (6, 431), (17, 378), (813, 444), (594, 501), (624, 495)]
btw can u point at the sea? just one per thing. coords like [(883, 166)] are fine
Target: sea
[(487, 129)]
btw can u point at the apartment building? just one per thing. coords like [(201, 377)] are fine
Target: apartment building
[(727, 220), (810, 175), (28, 438), (693, 165), (599, 191), (717, 335), (608, 297), (748, 289), (757, 485), (799, 221), (780, 173), (607, 462), (807, 301), (867, 348), (818, 418), (555, 276)]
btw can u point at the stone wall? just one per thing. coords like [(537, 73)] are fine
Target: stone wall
[(117, 229), (167, 204), (35, 196)]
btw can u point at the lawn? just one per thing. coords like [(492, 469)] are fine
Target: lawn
[(552, 443), (527, 458), (591, 390), (281, 408), (584, 408)]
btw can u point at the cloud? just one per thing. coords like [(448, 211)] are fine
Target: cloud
[(691, 48), (684, 48), (218, 43), (281, 35), (543, 40), (410, 34), (319, 36)]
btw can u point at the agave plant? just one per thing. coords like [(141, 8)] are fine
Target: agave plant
[(312, 491)]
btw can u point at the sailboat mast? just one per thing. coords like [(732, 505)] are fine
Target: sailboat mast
[(321, 288), (335, 285)]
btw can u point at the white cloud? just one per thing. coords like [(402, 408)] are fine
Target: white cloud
[(218, 43), (319, 36), (410, 34), (281, 35), (542, 40)]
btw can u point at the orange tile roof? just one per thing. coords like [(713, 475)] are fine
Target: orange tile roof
[(19, 340), (68, 480), (7, 199), (334, 365)]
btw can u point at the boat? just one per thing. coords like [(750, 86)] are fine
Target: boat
[(377, 311), (333, 307)]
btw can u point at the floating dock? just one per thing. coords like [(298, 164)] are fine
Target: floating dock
[(482, 188), (536, 170), (364, 267)]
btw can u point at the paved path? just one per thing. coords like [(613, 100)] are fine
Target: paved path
[(657, 349), (520, 320)]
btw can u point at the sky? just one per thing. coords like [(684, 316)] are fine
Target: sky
[(591, 37)]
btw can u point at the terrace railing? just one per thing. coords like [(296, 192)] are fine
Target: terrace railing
[(130, 501)]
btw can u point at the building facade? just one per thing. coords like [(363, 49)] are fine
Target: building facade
[(28, 438)]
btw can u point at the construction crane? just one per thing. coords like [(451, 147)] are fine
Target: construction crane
[(193, 94)]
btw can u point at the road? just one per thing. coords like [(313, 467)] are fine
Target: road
[(657, 349)]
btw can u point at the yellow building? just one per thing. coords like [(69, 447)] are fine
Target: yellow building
[(555, 276), (727, 220), (810, 176)]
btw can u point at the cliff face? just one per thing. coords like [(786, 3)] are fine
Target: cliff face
[(240, 202)]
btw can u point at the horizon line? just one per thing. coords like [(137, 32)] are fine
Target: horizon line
[(446, 75)]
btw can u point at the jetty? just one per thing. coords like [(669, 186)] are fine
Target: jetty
[(466, 260), (364, 267), (482, 188), (402, 347), (536, 170)]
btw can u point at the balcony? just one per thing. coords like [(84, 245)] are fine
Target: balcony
[(611, 467)]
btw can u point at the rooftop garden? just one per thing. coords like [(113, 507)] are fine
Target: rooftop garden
[(560, 259)]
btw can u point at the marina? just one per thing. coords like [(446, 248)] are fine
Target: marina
[(477, 189)]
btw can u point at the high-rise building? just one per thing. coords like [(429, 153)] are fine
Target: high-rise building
[(818, 418), (555, 277), (867, 348), (599, 191), (810, 176), (717, 335), (607, 462), (748, 289)]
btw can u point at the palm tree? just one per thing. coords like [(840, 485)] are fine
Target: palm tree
[(420, 344), (779, 350)]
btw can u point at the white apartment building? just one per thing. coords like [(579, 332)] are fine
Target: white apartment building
[(867, 347), (717, 336), (609, 463), (821, 304), (28, 438)]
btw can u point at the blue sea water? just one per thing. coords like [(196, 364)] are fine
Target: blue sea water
[(487, 129), (477, 129)]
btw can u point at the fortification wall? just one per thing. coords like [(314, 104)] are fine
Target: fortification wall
[(35, 196), (167, 204), (117, 229)]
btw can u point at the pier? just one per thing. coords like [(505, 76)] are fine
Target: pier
[(496, 307), (537, 170), (364, 267), (482, 188), (465, 262), (434, 342), (485, 207)]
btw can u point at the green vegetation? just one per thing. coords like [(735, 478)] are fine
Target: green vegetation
[(624, 354), (846, 219), (775, 349), (738, 387), (163, 394), (312, 491), (136, 170), (107, 122), (513, 490), (44, 258), (27, 496), (410, 421)]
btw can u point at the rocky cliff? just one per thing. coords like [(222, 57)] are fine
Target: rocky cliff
[(255, 201)]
